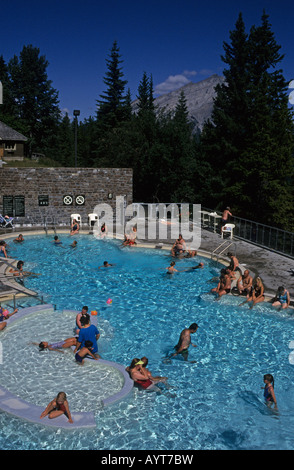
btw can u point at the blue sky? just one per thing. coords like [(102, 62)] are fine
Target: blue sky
[(174, 41)]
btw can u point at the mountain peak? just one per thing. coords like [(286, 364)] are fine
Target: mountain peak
[(199, 97)]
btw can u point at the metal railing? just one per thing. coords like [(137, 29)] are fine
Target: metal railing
[(265, 236)]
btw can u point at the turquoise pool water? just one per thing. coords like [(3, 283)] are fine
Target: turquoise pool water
[(215, 403)]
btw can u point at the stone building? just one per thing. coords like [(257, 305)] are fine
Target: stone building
[(33, 195)]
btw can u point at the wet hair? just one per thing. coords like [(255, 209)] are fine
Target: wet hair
[(145, 360), (41, 346), (88, 344), (172, 263), (85, 319), (270, 378), (85, 308), (19, 264), (194, 326), (61, 396), (56, 237)]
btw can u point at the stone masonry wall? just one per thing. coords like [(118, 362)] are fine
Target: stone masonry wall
[(93, 184)]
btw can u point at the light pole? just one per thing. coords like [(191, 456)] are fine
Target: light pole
[(76, 113)]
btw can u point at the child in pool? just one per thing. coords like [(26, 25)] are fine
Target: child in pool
[(83, 352), (58, 407), (171, 269), (269, 393)]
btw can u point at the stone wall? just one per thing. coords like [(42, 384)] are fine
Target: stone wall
[(85, 187)]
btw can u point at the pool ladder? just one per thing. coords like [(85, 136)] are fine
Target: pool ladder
[(223, 247)]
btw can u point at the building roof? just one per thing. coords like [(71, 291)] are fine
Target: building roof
[(7, 133)]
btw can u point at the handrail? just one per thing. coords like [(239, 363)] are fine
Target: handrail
[(217, 255)]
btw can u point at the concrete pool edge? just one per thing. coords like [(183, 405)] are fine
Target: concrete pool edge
[(19, 408)]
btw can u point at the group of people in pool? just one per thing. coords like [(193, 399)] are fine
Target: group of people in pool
[(86, 335), (253, 289)]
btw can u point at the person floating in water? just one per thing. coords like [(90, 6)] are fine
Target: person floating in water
[(282, 298), (185, 341), (269, 393), (67, 343)]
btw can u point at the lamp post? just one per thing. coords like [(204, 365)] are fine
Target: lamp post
[(76, 113)]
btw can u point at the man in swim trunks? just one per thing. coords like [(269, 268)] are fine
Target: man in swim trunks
[(185, 341), (244, 283)]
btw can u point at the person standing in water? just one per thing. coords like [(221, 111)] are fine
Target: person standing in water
[(185, 341)]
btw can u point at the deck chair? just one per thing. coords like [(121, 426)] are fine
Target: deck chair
[(6, 222), (228, 228)]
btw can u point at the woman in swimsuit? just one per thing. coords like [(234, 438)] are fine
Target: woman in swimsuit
[(58, 407), (139, 377), (257, 294), (282, 298)]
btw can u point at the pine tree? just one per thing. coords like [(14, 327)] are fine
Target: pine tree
[(36, 99), (111, 105), (250, 137)]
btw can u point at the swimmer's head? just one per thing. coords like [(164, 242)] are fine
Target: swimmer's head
[(144, 360), (193, 327), (41, 346)]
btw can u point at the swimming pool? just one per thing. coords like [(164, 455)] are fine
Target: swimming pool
[(215, 403)]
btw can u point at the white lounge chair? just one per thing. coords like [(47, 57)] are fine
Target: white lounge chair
[(228, 228)]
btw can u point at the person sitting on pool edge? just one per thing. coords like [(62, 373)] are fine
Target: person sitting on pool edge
[(4, 315), (148, 374), (79, 316), (85, 351), (282, 298), (74, 227), (58, 407), (139, 377), (130, 239)]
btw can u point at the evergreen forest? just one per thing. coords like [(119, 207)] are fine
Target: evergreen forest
[(243, 158)]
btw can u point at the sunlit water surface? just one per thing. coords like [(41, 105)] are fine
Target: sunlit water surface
[(213, 403)]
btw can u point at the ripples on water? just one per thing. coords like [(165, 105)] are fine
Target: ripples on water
[(215, 403)]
